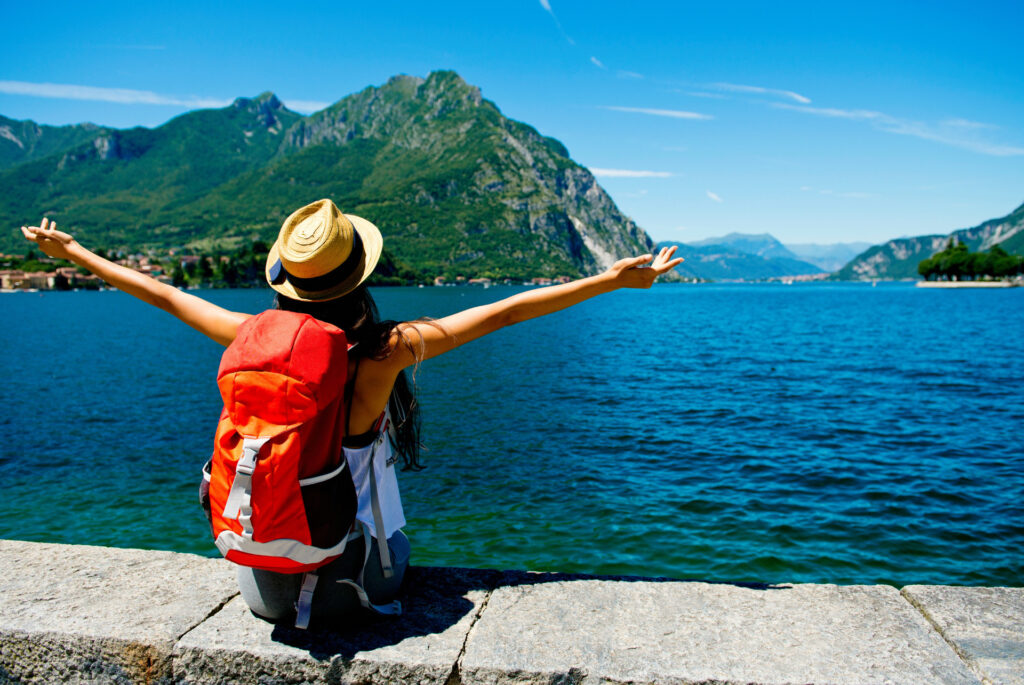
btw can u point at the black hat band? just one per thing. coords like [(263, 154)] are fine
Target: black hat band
[(337, 275)]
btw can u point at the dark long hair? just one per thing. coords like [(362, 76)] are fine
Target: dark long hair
[(356, 314)]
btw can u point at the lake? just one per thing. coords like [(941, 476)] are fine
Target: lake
[(808, 433)]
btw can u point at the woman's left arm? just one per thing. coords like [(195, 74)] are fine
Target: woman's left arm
[(207, 318)]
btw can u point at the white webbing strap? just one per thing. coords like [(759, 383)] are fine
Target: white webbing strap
[(393, 608), (390, 609), (241, 486), (304, 606), (378, 519)]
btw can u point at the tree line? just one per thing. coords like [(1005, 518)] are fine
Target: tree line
[(958, 263)]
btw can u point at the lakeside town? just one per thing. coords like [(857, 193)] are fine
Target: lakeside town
[(32, 273)]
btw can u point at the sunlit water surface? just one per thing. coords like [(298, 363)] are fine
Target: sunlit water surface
[(819, 433)]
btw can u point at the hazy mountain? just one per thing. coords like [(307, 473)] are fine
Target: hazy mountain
[(725, 263), (829, 257), (452, 183), (740, 256), (899, 258), (762, 244)]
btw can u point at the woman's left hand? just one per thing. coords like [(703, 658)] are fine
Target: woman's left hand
[(632, 272), (54, 243)]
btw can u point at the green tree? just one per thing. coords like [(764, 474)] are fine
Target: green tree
[(205, 270), (61, 282), (178, 275)]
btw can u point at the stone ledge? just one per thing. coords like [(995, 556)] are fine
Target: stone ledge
[(97, 615), (985, 625), (72, 613)]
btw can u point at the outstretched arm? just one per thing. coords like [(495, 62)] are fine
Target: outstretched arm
[(428, 340), (207, 318)]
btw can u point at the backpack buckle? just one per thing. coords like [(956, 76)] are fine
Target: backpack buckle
[(250, 452)]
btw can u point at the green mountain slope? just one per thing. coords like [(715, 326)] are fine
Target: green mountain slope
[(453, 184), (24, 141), (125, 187), (899, 258)]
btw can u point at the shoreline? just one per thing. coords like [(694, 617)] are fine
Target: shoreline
[(967, 284)]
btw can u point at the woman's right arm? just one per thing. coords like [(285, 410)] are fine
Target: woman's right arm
[(212, 321), (416, 341)]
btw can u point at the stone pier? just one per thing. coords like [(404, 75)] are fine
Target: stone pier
[(82, 614)]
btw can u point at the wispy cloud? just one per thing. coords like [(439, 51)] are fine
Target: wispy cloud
[(546, 4), (672, 113), (739, 88), (960, 133), (622, 73), (306, 105), (597, 63), (119, 95), (628, 173), (713, 196)]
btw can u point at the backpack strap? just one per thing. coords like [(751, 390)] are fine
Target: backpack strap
[(304, 605), (378, 518), (237, 505), (393, 608)]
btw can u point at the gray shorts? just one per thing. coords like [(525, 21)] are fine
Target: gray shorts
[(273, 595)]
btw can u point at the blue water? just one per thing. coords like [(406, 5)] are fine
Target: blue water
[(808, 433)]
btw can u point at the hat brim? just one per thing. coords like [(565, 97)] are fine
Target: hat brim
[(373, 243)]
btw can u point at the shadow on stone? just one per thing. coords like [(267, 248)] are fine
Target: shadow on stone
[(435, 600)]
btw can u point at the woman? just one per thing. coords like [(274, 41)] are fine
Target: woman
[(319, 265)]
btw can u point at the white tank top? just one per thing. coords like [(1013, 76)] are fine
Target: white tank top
[(384, 459)]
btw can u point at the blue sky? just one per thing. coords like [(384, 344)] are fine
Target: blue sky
[(816, 122)]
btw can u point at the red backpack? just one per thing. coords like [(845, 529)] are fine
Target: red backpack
[(280, 496)]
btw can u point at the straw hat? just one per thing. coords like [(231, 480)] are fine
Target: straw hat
[(321, 253)]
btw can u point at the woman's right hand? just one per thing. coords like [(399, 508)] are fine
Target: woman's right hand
[(631, 272), (54, 243)]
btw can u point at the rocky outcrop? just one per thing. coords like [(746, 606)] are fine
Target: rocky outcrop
[(899, 258), (475, 156), (26, 141)]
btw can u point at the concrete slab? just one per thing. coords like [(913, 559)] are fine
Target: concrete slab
[(422, 646), (540, 628), (71, 613), (984, 624)]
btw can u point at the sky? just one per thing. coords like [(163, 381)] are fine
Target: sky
[(815, 122)]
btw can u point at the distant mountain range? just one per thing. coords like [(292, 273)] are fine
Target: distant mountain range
[(456, 187), (747, 257), (899, 258), (828, 257)]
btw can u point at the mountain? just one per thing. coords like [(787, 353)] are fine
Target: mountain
[(830, 257), (763, 245), (724, 263), (740, 256), (23, 141), (455, 186), (899, 258)]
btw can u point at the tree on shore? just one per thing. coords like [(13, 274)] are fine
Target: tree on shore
[(958, 263)]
